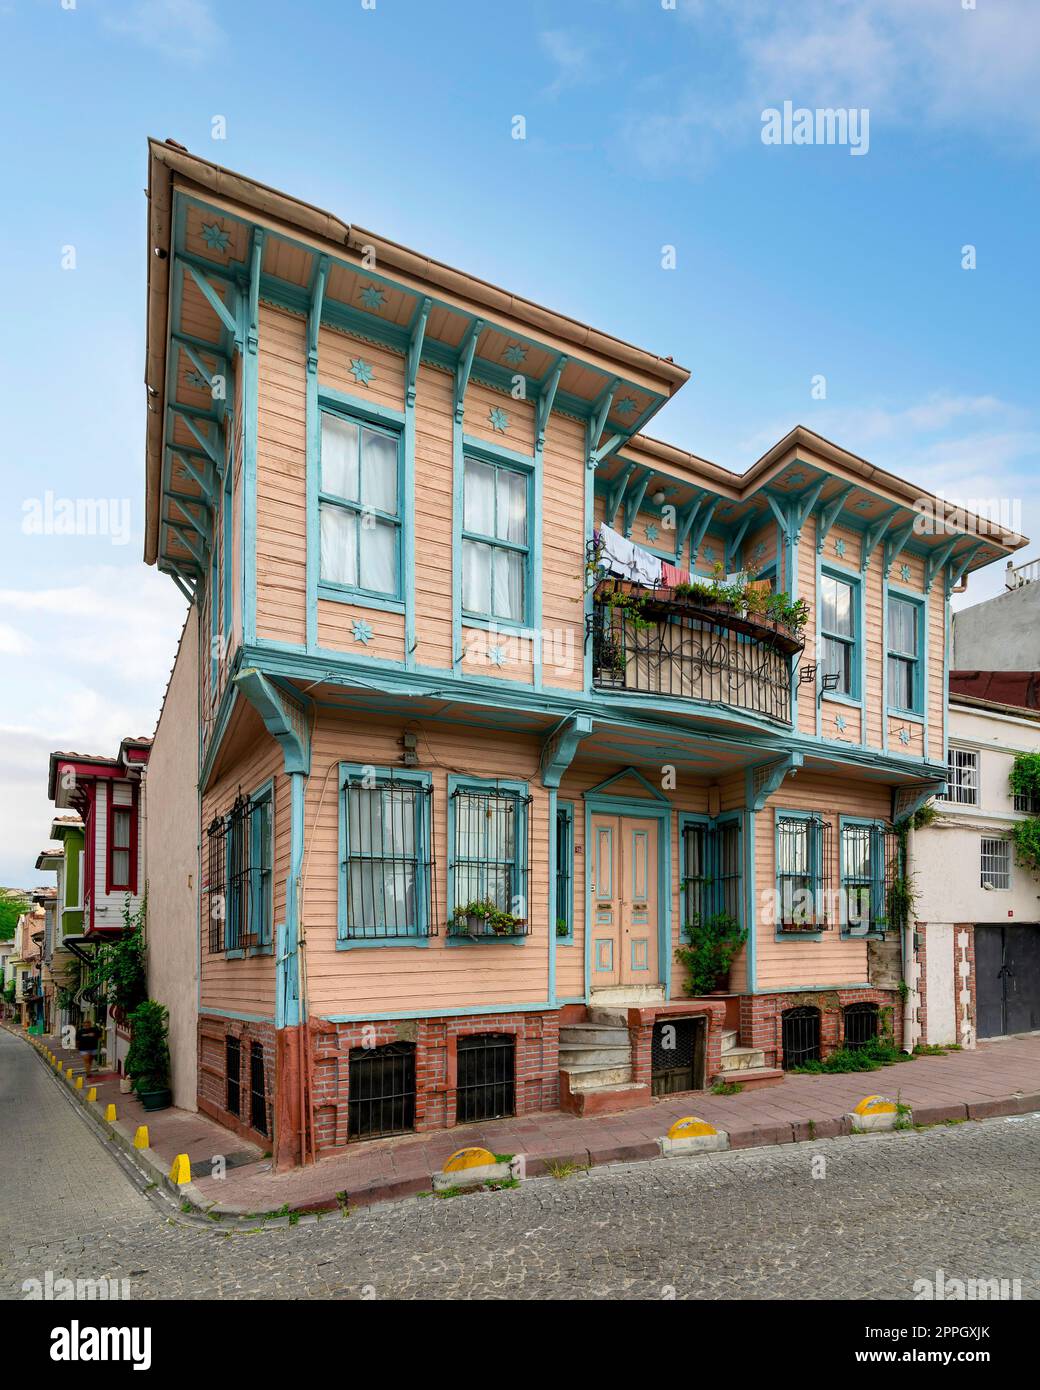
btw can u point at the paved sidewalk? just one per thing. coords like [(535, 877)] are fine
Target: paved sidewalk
[(998, 1078)]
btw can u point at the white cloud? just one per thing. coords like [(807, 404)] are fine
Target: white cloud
[(572, 57), (183, 30)]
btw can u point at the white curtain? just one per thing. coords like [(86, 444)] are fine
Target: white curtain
[(338, 544), (379, 472), (339, 457)]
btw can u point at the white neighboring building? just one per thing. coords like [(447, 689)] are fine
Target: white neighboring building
[(979, 911)]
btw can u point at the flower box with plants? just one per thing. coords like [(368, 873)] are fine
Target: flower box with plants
[(742, 605), (483, 920), (148, 1060)]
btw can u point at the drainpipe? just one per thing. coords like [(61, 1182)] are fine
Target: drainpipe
[(910, 968)]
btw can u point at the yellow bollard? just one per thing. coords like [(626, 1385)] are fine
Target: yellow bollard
[(79, 1083), (141, 1137), (110, 1112), (180, 1170), (92, 1093), (68, 1072)]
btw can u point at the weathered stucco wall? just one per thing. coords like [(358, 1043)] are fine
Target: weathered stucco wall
[(1001, 634), (171, 863)]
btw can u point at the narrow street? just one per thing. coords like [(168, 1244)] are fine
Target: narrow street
[(889, 1210)]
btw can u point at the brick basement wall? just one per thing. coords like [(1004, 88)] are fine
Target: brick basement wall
[(537, 1062), (761, 1017), (212, 1086)]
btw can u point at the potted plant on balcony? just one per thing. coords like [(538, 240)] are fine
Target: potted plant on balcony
[(148, 1060)]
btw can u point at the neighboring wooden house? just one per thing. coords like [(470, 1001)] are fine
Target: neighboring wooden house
[(380, 482), (62, 956), (105, 793)]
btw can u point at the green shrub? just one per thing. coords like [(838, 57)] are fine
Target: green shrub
[(148, 1060), (712, 945)]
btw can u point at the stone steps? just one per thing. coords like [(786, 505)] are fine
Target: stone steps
[(572, 1055), (751, 1078), (742, 1059), (588, 1076), (593, 1035)]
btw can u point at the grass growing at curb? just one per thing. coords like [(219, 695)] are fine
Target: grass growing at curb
[(726, 1088), (563, 1168), (872, 1056)]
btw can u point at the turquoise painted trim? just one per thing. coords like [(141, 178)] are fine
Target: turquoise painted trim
[(814, 989), (812, 818), (290, 1009), (553, 865), (408, 538), (315, 299), (264, 792), (234, 1013), (250, 428), (360, 598), (498, 458), (920, 711), (369, 411), (474, 1011), (292, 736), (750, 884), (564, 808), (348, 774), (697, 819), (628, 772), (852, 577), (614, 806)]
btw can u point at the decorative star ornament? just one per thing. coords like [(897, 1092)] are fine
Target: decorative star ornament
[(515, 353), (795, 479), (651, 532), (363, 371), (759, 551), (372, 297), (904, 736), (496, 656), (839, 548), (498, 420), (904, 573), (626, 406), (840, 723), (362, 631), (709, 554), (215, 237), (864, 504)]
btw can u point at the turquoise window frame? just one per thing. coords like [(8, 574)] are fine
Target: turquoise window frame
[(878, 830), (920, 677), (214, 625), (814, 820), (264, 946), (565, 814), (227, 529), (356, 772), (484, 785), (711, 828), (378, 423), (520, 465), (855, 694)]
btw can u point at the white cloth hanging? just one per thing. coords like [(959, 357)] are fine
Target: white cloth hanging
[(628, 560)]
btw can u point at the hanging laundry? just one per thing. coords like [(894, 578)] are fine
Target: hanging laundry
[(628, 560), (672, 575)]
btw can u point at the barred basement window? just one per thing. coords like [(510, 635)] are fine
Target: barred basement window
[(800, 1036), (233, 1068), (861, 1025), (803, 862), (996, 863), (486, 1077), (489, 863), (712, 871), (677, 1056), (962, 785), (382, 1090), (385, 866), (257, 1089)]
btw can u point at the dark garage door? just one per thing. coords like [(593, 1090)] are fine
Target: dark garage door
[(1007, 978)]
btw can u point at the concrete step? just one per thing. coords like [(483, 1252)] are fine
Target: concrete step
[(634, 995), (594, 1035), (608, 1017), (743, 1059), (603, 1100), (730, 1038), (573, 1054), (753, 1078), (586, 1076)]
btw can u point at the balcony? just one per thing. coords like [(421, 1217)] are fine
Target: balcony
[(684, 646)]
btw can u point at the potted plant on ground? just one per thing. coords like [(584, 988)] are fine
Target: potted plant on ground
[(148, 1060), (713, 942)]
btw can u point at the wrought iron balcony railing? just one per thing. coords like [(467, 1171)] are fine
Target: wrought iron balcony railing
[(689, 651)]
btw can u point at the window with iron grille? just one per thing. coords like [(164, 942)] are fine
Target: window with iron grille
[(962, 782), (996, 863), (381, 1099), (385, 855), (257, 1088), (240, 874), (564, 872), (803, 866), (486, 1076), (233, 1069), (869, 851), (1027, 802), (677, 1056), (488, 866), (800, 1036), (712, 871), (860, 1025)]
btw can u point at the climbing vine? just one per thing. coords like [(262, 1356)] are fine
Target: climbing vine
[(1024, 780)]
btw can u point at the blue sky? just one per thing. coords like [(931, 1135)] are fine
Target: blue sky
[(643, 130)]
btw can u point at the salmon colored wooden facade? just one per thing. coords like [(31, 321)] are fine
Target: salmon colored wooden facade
[(380, 480)]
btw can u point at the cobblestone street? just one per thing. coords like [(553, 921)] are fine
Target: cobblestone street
[(890, 1209)]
